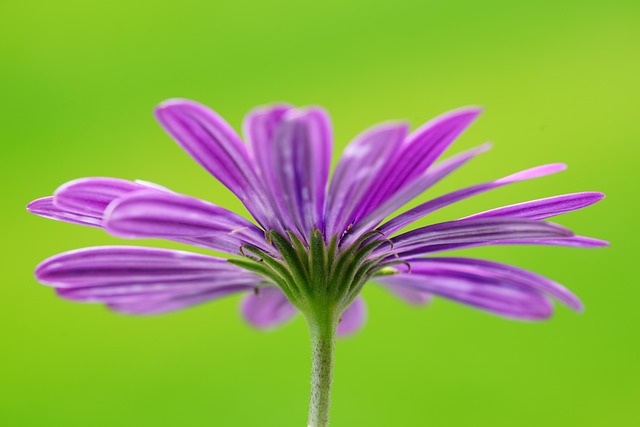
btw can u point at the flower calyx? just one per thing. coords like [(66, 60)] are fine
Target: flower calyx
[(317, 273)]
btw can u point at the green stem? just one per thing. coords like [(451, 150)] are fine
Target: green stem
[(322, 327)]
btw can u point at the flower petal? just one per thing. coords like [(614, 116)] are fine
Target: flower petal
[(91, 196), (498, 271), (544, 208), (300, 163), (361, 163), (260, 127), (155, 214), (353, 318), (499, 296), (573, 241), (44, 207), (111, 265), (419, 151), (266, 308), (481, 230), (214, 144), (142, 280), (415, 188), (141, 292), (409, 293), (145, 307), (83, 201), (426, 208)]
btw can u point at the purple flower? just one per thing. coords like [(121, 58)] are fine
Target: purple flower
[(282, 178), (315, 244)]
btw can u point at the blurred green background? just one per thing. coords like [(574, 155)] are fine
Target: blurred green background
[(559, 81)]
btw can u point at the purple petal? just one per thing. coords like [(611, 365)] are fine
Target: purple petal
[(544, 208), (155, 214), (301, 160), (44, 207), (91, 196), (498, 271), (126, 264), (353, 318), (424, 209), (361, 163), (266, 308), (474, 231), (138, 292), (83, 201), (215, 145), (175, 302), (153, 185), (499, 296), (142, 280), (409, 293), (414, 189), (421, 149), (573, 241), (260, 127)]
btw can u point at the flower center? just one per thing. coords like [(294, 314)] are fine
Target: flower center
[(319, 274)]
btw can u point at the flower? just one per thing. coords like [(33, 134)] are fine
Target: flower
[(312, 239), (315, 245)]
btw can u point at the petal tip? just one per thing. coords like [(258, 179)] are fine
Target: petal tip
[(534, 172), (484, 147), (473, 109), (562, 231), (41, 272), (33, 206), (468, 113), (43, 206), (560, 166), (168, 111), (591, 242), (111, 217), (174, 102)]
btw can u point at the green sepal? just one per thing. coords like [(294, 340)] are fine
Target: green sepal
[(264, 271), (292, 259), (274, 265), (318, 261), (331, 254), (349, 262), (301, 249)]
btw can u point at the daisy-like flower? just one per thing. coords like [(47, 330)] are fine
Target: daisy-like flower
[(315, 244)]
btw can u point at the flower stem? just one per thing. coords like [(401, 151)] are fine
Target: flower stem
[(322, 328)]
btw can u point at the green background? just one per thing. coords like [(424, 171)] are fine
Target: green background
[(559, 81)]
